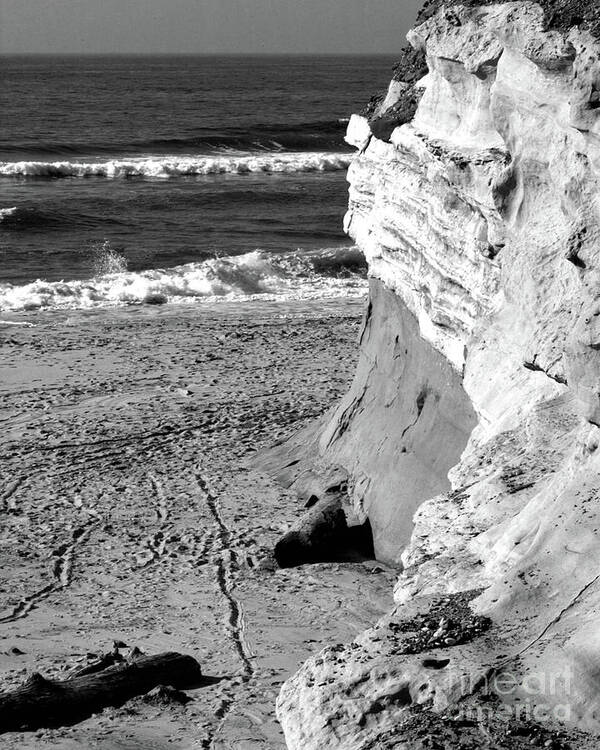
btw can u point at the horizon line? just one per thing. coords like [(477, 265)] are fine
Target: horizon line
[(198, 54)]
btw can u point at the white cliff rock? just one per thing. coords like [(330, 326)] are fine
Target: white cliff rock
[(476, 405)]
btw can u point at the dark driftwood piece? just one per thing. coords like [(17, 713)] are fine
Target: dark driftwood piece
[(52, 703), (322, 534)]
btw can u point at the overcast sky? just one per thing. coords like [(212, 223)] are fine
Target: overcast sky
[(205, 26)]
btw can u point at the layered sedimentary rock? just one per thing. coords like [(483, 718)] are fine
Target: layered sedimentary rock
[(470, 436)]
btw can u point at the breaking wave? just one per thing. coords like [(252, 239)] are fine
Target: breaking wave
[(173, 166), (5, 213), (324, 273)]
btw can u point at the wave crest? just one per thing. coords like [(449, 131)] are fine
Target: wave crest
[(172, 166), (325, 273), (5, 213)]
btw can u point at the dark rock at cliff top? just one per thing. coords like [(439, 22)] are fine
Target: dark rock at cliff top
[(372, 106), (400, 113), (412, 66), (560, 14)]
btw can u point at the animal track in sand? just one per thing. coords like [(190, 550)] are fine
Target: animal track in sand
[(225, 566), (157, 542), (162, 510), (61, 572), (100, 455)]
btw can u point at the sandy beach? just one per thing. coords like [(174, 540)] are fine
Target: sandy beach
[(131, 511), (300, 375)]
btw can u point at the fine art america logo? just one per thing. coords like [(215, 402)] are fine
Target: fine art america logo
[(536, 697)]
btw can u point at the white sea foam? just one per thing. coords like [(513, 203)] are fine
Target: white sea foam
[(242, 277), (172, 166), (4, 212)]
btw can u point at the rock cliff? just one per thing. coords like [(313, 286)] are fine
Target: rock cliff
[(469, 439)]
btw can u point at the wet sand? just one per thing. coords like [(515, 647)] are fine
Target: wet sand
[(130, 510)]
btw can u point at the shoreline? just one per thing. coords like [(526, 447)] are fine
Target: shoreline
[(126, 443)]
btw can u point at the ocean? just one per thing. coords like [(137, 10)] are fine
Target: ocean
[(170, 179)]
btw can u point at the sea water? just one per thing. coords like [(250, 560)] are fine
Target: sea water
[(177, 178)]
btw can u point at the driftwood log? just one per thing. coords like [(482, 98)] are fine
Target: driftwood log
[(52, 703)]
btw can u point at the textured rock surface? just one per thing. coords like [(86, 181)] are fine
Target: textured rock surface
[(480, 359), (401, 427)]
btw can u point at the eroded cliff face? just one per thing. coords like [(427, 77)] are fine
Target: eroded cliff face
[(476, 403)]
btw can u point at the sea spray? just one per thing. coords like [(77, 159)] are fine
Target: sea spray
[(107, 260)]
